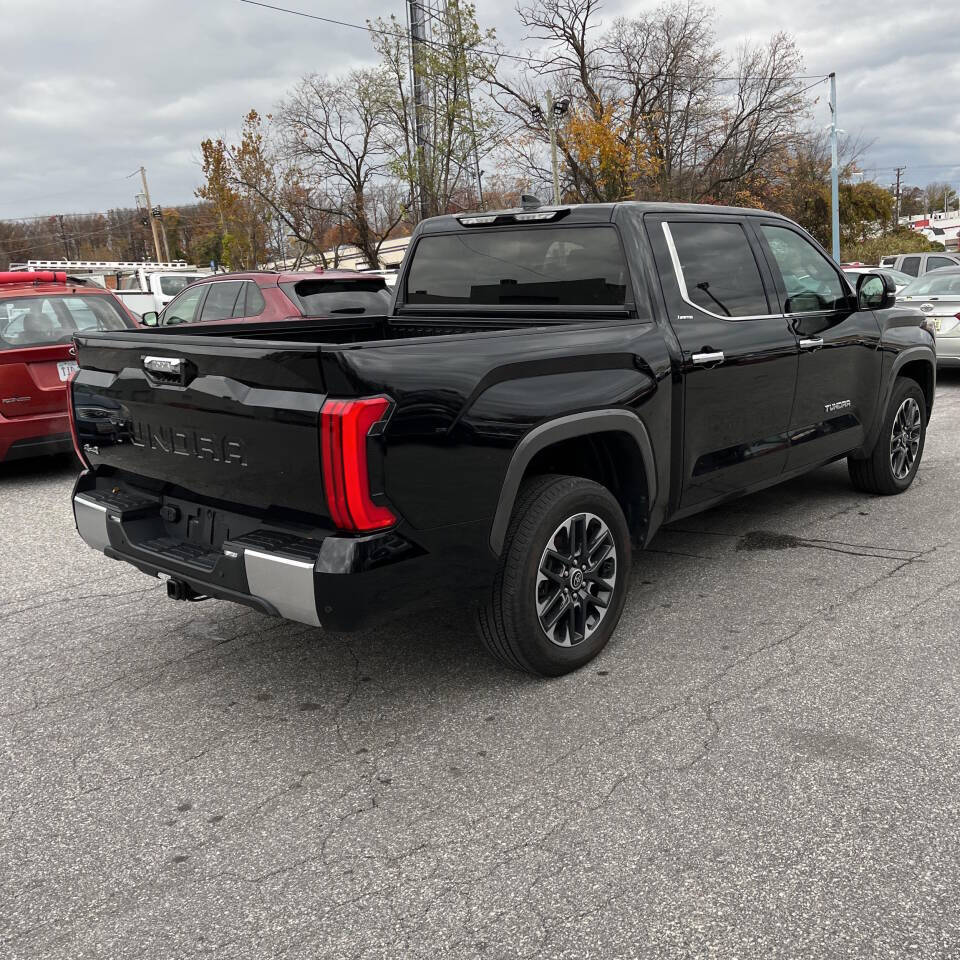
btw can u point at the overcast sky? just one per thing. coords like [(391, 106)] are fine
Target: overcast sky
[(93, 89)]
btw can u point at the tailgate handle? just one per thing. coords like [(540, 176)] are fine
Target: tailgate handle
[(166, 369)]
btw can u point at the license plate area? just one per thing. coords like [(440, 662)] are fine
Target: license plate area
[(66, 369)]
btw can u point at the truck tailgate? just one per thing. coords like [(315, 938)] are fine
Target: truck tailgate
[(226, 420)]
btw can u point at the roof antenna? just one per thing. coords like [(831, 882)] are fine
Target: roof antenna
[(529, 202)]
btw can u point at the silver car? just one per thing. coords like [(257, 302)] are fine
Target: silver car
[(899, 279), (938, 297)]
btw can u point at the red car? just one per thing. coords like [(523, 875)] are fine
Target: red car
[(39, 314), (262, 297)]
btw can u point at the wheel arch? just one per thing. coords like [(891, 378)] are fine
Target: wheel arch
[(610, 446), (917, 365)]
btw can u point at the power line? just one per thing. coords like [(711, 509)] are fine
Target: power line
[(104, 232), (404, 35)]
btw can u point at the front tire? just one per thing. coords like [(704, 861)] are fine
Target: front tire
[(896, 455), (562, 582)]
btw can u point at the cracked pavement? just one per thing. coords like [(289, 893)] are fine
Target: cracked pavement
[(765, 762)]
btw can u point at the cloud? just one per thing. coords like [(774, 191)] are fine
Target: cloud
[(120, 83)]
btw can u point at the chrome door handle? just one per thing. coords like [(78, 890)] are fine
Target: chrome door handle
[(811, 343), (702, 358)]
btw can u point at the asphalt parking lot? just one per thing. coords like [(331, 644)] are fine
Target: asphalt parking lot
[(764, 763)]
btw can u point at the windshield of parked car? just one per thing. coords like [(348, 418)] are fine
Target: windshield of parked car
[(319, 297), (40, 320), (559, 266), (171, 286), (933, 284)]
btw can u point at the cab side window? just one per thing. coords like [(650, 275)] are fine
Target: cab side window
[(934, 263), (716, 268), (811, 282)]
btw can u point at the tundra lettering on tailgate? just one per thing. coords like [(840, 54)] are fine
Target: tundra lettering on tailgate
[(186, 442)]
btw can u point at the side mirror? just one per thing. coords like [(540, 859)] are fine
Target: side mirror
[(876, 291), (150, 319)]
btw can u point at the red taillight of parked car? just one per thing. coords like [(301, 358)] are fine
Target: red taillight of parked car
[(73, 422), (344, 428)]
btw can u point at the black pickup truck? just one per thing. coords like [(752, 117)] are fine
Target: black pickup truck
[(550, 386)]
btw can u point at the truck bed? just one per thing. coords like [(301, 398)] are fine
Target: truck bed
[(239, 422)]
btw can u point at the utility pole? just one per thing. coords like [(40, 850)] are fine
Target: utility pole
[(63, 237), (834, 172), (461, 54), (418, 36), (153, 221), (899, 172), (157, 215)]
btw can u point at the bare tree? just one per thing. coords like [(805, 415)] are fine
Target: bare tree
[(334, 131), (651, 110)]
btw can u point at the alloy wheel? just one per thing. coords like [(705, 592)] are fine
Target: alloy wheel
[(905, 438), (576, 579)]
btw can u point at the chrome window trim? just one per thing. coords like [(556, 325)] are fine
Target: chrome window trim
[(681, 282)]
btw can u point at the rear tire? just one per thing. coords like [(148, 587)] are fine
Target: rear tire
[(563, 577), (893, 462)]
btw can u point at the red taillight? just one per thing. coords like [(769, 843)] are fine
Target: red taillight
[(344, 428), (73, 421)]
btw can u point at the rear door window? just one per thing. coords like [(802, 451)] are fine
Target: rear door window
[(221, 300), (934, 263), (716, 268), (911, 265), (556, 266), (250, 303)]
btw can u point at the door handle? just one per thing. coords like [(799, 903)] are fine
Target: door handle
[(811, 343), (701, 359)]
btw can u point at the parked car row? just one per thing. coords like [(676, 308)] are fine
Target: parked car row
[(42, 311)]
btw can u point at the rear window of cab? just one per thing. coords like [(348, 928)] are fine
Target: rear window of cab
[(527, 266)]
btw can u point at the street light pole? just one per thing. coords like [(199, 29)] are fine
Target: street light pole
[(834, 172), (552, 125)]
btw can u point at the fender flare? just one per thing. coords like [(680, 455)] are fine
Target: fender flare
[(907, 355), (904, 357), (565, 428)]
